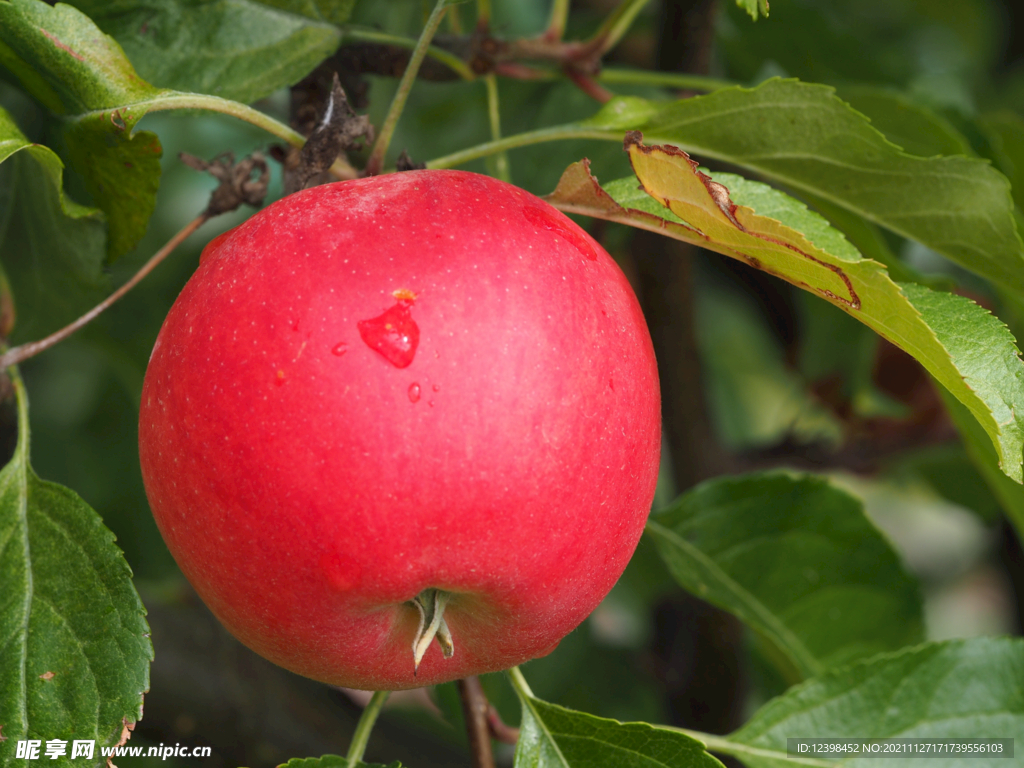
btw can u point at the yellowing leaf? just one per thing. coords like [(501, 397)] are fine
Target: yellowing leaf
[(962, 345)]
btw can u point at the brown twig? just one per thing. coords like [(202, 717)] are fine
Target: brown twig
[(500, 731), (237, 185), (475, 709), (25, 351), (589, 85)]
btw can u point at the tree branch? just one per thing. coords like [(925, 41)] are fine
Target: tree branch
[(475, 710), (23, 352)]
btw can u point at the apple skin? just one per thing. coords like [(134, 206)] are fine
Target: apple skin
[(310, 487)]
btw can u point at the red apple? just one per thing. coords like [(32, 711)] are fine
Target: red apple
[(424, 385)]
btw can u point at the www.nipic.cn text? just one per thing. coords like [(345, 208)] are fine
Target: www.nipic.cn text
[(35, 749)]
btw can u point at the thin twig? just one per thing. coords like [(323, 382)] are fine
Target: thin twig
[(474, 709), (497, 165), (589, 85), (25, 351), (517, 71), (500, 731), (375, 163), (483, 14), (361, 737), (617, 24), (556, 22)]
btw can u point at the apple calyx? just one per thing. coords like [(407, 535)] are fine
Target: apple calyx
[(430, 603)]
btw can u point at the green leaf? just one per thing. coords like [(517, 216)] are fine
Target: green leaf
[(905, 122), (331, 11), (555, 737), (867, 238), (973, 356), (1005, 134), (983, 456), (73, 634), (796, 559), (87, 73), (52, 248), (332, 761), (970, 688), (122, 173), (84, 68), (237, 49), (803, 136), (754, 7)]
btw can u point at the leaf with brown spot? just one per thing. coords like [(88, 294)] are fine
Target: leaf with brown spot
[(73, 633)]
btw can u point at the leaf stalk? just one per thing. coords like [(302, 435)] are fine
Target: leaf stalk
[(375, 163), (557, 133), (497, 163), (361, 737)]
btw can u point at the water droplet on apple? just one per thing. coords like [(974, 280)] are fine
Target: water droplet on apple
[(394, 335), (436, 387), (549, 219), (280, 378), (339, 349), (414, 392)]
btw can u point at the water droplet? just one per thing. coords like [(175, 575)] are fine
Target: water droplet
[(436, 387), (414, 392), (394, 334), (339, 349), (553, 221), (280, 378), (611, 384)]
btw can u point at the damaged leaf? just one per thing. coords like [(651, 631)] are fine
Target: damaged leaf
[(338, 130), (244, 182), (962, 345), (803, 136)]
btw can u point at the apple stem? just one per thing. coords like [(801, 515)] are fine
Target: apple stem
[(375, 163), (431, 603), (363, 728)]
